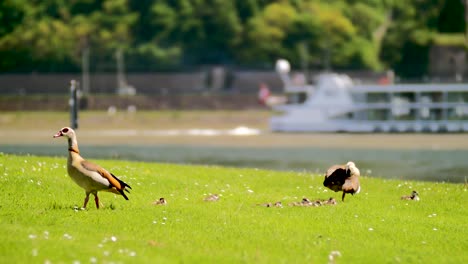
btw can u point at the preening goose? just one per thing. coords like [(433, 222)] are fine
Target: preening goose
[(89, 176), (343, 178)]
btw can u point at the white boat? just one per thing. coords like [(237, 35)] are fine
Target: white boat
[(336, 104)]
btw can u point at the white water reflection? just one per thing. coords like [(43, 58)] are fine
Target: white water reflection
[(205, 132)]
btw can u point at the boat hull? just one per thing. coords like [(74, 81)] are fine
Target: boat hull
[(278, 124)]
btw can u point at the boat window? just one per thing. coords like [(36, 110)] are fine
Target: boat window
[(297, 98)]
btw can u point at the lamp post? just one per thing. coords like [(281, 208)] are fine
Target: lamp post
[(73, 104)]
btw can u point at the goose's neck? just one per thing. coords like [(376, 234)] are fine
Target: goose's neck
[(73, 145)]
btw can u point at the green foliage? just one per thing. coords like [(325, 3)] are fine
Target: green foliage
[(449, 39), (53, 35), (40, 214)]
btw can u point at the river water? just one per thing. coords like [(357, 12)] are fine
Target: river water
[(428, 165)]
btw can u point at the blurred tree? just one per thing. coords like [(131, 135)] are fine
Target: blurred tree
[(210, 32), (11, 16), (452, 15), (43, 35), (267, 31), (415, 24), (336, 42), (56, 35)]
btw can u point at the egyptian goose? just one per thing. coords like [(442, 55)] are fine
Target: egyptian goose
[(414, 196), (343, 178), (89, 176)]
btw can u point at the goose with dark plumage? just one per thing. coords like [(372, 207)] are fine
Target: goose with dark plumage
[(344, 178)]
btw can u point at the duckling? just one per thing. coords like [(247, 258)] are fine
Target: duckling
[(278, 204), (414, 196), (212, 198), (306, 202), (331, 201), (161, 201)]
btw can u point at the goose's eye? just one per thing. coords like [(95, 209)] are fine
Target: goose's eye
[(65, 130)]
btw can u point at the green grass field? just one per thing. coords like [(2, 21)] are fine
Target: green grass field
[(39, 222)]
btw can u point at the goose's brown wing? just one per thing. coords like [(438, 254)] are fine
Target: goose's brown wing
[(114, 182)]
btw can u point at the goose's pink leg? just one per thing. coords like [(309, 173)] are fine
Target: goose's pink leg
[(86, 199), (96, 199)]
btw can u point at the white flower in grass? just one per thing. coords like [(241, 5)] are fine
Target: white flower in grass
[(32, 236), (132, 254), (435, 229), (67, 236), (113, 238), (250, 191), (93, 260), (371, 229), (333, 255), (35, 252)]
